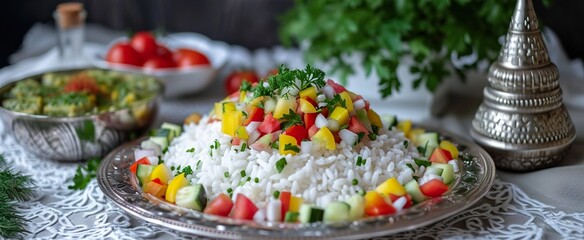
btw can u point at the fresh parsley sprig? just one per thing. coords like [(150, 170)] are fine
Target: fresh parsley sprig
[(286, 79), (290, 120), (84, 174)]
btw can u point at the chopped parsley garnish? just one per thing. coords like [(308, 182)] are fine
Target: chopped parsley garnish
[(230, 192), (410, 166), (160, 161), (245, 86), (406, 144), (256, 180), (290, 120), (198, 165), (242, 173), (165, 150), (226, 174), (337, 100), (355, 181), (280, 164), (286, 78), (372, 136), (171, 168), (375, 129), (291, 147), (275, 145), (359, 138), (248, 179), (83, 175), (217, 144), (276, 194), (244, 113), (422, 162), (421, 149), (190, 150), (186, 170), (243, 147)]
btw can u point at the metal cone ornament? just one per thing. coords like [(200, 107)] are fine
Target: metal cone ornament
[(522, 121)]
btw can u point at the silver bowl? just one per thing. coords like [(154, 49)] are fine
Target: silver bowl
[(72, 139)]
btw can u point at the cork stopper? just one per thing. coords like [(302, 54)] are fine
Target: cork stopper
[(70, 14)]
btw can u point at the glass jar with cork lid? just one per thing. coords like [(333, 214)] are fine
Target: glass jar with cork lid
[(70, 21)]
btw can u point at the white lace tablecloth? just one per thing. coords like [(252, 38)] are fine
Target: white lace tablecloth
[(541, 205)]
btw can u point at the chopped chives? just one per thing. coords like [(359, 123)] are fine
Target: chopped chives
[(355, 181), (226, 174), (280, 164), (242, 173), (276, 194)]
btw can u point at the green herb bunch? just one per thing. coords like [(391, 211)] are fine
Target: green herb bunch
[(14, 186), (430, 31)]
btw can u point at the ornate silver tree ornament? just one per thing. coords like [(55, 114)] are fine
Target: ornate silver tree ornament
[(522, 121)]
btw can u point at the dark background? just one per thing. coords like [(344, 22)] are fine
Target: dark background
[(250, 23)]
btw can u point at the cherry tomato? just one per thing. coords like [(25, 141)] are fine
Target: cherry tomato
[(185, 57), (125, 54), (159, 62), (145, 44), (164, 52), (234, 80)]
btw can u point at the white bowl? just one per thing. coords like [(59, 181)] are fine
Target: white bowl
[(178, 81)]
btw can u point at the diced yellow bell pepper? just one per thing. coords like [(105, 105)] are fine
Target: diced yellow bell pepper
[(348, 101), (228, 107), (414, 134), (374, 118), (223, 107), (285, 140), (231, 121), (242, 95), (256, 101), (309, 92), (161, 172), (391, 186), (306, 106), (241, 133), (295, 203), (448, 146), (405, 126), (177, 183), (341, 115), (325, 137), (283, 106)]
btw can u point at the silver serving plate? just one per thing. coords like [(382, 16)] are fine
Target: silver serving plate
[(72, 139), (121, 187)]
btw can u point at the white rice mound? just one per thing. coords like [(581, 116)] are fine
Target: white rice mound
[(319, 178)]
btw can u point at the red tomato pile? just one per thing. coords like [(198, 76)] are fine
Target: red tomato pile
[(143, 50)]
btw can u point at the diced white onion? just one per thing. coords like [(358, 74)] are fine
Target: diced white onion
[(254, 136), (320, 121), (320, 98), (399, 203), (259, 216), (348, 136), (273, 210), (140, 153), (454, 164), (333, 125), (252, 126), (428, 177), (306, 147), (148, 144), (359, 104), (322, 104), (328, 91), (153, 160)]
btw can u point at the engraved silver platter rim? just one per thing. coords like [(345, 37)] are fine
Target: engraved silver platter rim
[(120, 187)]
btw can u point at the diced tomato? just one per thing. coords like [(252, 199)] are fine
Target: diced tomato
[(324, 111), (311, 101), (409, 201), (440, 155), (312, 130), (270, 124), (375, 205), (235, 141), (285, 200), (356, 126), (244, 208), (155, 188), (337, 137), (434, 188), (220, 206), (134, 166), (309, 119), (157, 180), (255, 114), (297, 131), (337, 87)]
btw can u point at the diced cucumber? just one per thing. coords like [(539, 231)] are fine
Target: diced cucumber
[(357, 203), (143, 172), (364, 119), (447, 173), (149, 144), (337, 212), (413, 189), (193, 197), (429, 141), (390, 121), (167, 133), (161, 141), (310, 213), (433, 169), (291, 217), (176, 129)]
